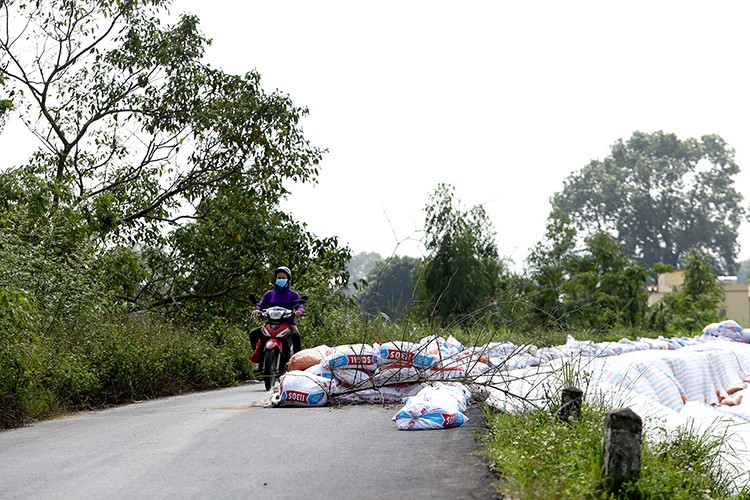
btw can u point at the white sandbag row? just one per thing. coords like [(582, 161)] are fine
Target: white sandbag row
[(505, 358), (423, 354), (362, 372), (728, 329), (352, 356), (390, 394), (362, 366), (308, 389), (439, 406), (407, 353), (319, 384)]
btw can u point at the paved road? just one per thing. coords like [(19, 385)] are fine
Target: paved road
[(219, 445)]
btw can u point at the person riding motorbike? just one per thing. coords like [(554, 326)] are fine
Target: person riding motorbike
[(281, 295)]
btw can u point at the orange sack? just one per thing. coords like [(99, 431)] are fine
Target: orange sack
[(308, 357)]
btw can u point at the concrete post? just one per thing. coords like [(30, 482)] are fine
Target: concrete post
[(571, 403), (622, 447)]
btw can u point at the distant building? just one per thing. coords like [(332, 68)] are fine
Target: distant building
[(736, 305)]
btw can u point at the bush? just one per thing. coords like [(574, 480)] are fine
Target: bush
[(120, 360)]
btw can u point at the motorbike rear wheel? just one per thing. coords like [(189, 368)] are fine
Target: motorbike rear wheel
[(271, 365)]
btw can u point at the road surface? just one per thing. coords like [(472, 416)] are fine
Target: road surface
[(220, 444)]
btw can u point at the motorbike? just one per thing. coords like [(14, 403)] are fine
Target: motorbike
[(275, 346)]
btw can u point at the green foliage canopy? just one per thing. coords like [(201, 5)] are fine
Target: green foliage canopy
[(696, 304), (660, 196), (132, 124), (596, 287), (548, 266), (605, 287), (229, 251), (168, 170)]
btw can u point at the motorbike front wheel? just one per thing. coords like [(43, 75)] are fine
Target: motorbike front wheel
[(271, 367)]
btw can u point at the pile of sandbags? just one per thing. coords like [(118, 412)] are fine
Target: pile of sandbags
[(438, 406), (727, 329), (389, 372), (379, 373)]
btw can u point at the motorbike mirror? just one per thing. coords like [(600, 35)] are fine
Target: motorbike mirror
[(253, 298), (303, 299)]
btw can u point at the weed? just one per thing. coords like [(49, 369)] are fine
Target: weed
[(538, 456)]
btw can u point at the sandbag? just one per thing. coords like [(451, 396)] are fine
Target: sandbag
[(308, 357), (353, 377), (362, 396), (431, 408), (459, 391), (731, 330), (395, 374), (513, 362), (320, 371), (404, 353), (385, 395), (362, 356), (453, 371), (505, 349), (461, 370), (439, 348), (582, 348), (428, 421), (299, 388)]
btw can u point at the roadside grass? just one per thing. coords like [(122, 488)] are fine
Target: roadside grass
[(47, 372), (537, 456)]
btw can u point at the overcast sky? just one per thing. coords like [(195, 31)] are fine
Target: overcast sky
[(501, 99)]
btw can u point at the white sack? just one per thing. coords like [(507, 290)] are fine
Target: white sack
[(362, 356), (299, 388), (353, 377), (431, 408), (394, 374), (404, 353)]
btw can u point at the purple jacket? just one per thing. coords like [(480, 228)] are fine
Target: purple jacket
[(281, 297)]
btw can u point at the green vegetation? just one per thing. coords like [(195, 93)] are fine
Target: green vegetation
[(462, 272), (132, 238), (660, 196), (696, 303), (392, 289), (535, 455), (58, 370)]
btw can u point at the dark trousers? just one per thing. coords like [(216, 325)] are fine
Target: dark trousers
[(255, 336)]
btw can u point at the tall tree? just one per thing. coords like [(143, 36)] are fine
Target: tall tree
[(660, 196), (132, 125), (696, 304), (604, 287), (230, 251), (168, 169), (548, 266), (462, 270)]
